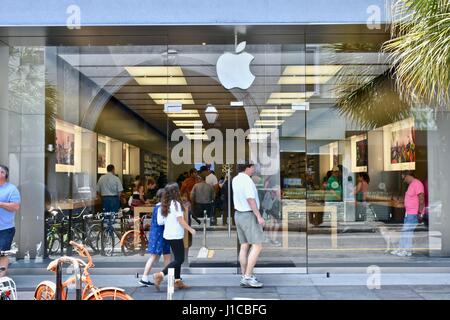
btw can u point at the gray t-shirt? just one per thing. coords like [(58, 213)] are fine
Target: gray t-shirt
[(109, 185), (202, 193)]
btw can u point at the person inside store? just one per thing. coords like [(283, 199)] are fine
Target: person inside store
[(325, 179), (9, 205), (334, 186), (186, 189), (202, 198), (249, 223), (137, 199), (162, 180), (137, 180), (181, 178), (157, 245), (152, 189), (361, 190), (272, 207), (414, 206), (212, 180), (171, 215), (109, 187), (224, 201)]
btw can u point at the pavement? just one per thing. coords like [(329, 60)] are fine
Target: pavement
[(394, 286)]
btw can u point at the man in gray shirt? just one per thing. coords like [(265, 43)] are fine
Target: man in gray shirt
[(109, 188), (202, 197)]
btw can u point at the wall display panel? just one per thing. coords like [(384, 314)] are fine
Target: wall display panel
[(400, 145), (126, 158), (103, 153), (359, 153), (68, 147)]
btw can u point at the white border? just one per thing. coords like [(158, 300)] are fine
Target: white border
[(70, 128), (353, 141), (387, 134), (107, 141)]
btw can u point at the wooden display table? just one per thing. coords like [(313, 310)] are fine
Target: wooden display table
[(303, 208), (71, 204)]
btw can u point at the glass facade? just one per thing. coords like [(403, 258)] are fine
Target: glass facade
[(317, 113)]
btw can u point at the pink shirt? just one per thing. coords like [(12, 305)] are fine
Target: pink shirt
[(412, 196)]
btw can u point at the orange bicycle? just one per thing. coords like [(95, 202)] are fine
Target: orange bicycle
[(46, 290), (136, 241)]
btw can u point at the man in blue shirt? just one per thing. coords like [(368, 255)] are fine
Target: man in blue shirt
[(9, 205)]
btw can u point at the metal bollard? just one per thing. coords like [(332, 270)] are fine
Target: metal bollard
[(170, 283)]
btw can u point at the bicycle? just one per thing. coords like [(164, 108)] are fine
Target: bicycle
[(109, 237), (57, 233), (46, 290), (8, 289), (127, 243)]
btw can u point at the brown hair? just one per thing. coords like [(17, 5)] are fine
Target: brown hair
[(172, 193)]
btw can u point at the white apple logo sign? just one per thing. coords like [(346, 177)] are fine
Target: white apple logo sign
[(233, 69)]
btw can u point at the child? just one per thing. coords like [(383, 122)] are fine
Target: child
[(157, 245)]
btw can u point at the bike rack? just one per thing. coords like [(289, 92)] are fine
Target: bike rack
[(76, 273)]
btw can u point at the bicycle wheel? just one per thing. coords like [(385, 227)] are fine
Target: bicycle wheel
[(111, 294), (53, 244), (127, 243), (45, 291), (93, 237), (108, 243)]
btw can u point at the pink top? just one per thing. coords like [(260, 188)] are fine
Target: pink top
[(412, 196)]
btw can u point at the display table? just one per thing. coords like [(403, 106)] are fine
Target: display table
[(303, 208)]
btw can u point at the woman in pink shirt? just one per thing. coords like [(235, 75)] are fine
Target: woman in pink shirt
[(414, 205)]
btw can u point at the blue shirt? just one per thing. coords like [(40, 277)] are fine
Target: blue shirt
[(10, 194)]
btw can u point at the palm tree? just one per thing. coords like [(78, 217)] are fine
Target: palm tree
[(419, 54), (420, 50)]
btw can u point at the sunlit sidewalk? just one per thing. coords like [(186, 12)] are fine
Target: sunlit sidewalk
[(278, 286)]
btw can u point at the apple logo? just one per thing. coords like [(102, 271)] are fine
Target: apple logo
[(233, 69)]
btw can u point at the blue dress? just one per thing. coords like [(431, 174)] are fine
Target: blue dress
[(156, 243)]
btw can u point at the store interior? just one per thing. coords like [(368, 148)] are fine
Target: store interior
[(105, 104)]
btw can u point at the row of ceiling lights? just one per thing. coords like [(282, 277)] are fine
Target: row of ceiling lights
[(173, 75)]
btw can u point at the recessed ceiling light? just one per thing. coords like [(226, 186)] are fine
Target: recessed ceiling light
[(162, 98), (312, 70), (161, 81), (288, 97), (277, 113), (304, 79), (197, 137), (155, 71), (262, 130), (188, 123), (268, 122), (184, 114), (193, 130)]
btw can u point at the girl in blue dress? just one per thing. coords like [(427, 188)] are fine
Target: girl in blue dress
[(157, 245)]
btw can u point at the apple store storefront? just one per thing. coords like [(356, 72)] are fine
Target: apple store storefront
[(316, 109)]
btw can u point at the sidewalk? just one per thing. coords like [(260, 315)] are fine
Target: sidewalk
[(276, 286)]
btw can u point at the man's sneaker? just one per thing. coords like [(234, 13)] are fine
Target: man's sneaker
[(276, 243), (395, 252), (145, 283), (251, 282), (404, 253)]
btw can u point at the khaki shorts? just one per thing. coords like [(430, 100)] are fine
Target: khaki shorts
[(248, 228)]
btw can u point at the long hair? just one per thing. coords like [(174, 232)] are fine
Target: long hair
[(365, 176), (172, 193)]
